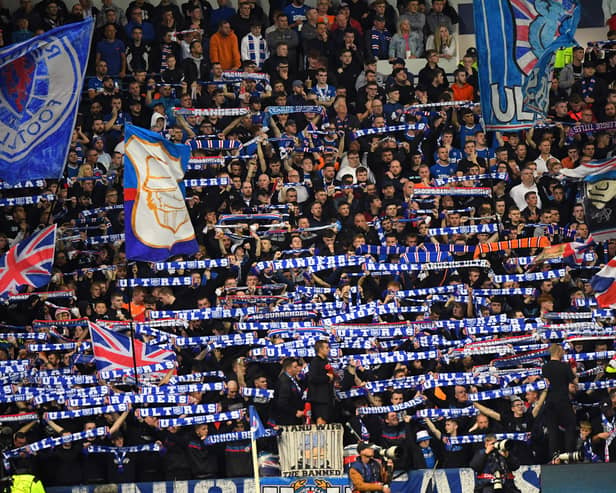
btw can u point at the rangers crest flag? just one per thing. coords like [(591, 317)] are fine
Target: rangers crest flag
[(516, 45), (158, 225), (114, 351), (40, 87), (28, 263)]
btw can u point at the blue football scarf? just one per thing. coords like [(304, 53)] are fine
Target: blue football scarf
[(104, 239), (155, 281), (184, 389), (120, 373), (485, 176), (54, 442), (363, 411), (207, 182), (272, 325), (530, 276), (465, 230), (80, 413), (177, 410), (468, 439), (506, 391), (279, 110), (390, 129), (456, 192), (27, 336), (202, 163), (235, 436), (193, 264), (18, 418), (446, 413), (462, 264), (101, 210), (203, 419)]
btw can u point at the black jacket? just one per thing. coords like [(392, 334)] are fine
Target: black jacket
[(288, 401), (320, 387)]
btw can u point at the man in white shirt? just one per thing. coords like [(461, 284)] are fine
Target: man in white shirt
[(528, 184), (544, 156)]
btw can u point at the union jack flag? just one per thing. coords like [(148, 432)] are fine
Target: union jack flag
[(525, 12), (29, 262), (114, 351)]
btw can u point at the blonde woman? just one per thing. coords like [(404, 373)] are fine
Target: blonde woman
[(406, 43), (443, 42)]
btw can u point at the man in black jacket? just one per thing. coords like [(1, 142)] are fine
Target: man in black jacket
[(289, 401), (494, 468), (558, 411), (321, 384)]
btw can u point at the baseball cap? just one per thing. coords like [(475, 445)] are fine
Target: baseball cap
[(298, 83), (422, 435)]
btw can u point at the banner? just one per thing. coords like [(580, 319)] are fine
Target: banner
[(40, 88), (29, 262), (420, 481), (516, 45), (157, 222), (600, 202)]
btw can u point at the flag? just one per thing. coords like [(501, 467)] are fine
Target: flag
[(29, 262), (256, 425), (516, 45), (114, 351), (572, 253), (40, 86), (157, 222), (604, 284)]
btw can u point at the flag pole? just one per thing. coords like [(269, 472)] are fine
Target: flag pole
[(255, 460), (132, 327)]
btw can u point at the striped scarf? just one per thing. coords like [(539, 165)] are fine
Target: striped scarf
[(534, 242), (257, 49)]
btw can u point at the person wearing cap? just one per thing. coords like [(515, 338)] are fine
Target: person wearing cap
[(425, 451), (298, 95), (367, 474), (593, 90), (378, 39), (494, 468)]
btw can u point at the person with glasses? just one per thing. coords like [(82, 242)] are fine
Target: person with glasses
[(367, 474)]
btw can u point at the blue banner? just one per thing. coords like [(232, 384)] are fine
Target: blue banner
[(40, 87), (516, 45), (420, 481), (157, 222)]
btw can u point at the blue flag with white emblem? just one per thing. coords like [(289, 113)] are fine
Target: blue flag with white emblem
[(256, 425), (40, 86), (516, 46)]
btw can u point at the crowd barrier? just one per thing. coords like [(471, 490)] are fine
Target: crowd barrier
[(575, 478)]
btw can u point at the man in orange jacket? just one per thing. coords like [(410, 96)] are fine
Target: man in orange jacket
[(224, 47)]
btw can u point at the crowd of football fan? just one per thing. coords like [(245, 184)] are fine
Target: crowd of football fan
[(149, 59)]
